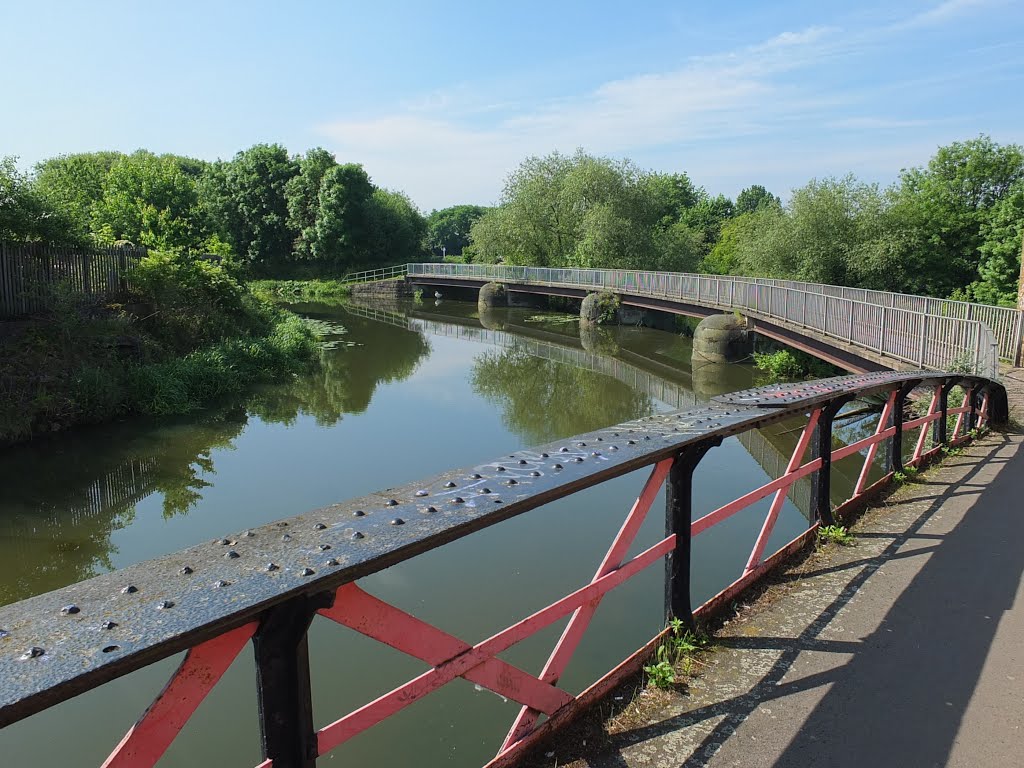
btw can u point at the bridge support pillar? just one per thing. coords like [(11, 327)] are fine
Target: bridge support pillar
[(722, 339), (492, 295), (678, 518), (599, 308)]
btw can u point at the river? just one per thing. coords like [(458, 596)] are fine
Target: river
[(401, 395)]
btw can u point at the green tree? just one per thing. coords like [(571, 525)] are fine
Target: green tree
[(25, 214), (706, 217), (578, 211), (945, 207), (833, 231), (148, 200), (999, 269), (671, 194), (303, 193), (74, 184), (449, 228), (753, 198), (245, 203), (396, 228), (341, 232)]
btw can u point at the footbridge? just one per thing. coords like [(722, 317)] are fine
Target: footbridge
[(858, 330), (266, 586)]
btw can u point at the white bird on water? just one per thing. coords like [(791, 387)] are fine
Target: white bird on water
[(437, 294)]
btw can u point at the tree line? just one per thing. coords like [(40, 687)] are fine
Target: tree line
[(270, 211), (950, 228)]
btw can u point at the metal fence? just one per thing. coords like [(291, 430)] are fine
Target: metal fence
[(30, 271), (370, 275), (938, 342), (265, 586)]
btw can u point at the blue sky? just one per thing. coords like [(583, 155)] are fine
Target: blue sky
[(444, 99)]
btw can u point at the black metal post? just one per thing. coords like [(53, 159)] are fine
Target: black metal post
[(941, 427), (977, 393), (821, 480), (282, 678), (678, 517), (896, 455)]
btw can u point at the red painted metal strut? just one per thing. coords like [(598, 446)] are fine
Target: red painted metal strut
[(573, 632), (780, 495), (199, 672)]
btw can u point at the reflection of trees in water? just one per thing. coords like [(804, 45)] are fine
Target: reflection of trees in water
[(348, 376), (543, 400), (64, 499)]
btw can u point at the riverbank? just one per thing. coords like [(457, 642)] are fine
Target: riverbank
[(190, 336)]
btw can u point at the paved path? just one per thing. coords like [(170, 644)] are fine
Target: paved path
[(905, 650)]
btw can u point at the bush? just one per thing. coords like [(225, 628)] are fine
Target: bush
[(793, 364), (779, 365)]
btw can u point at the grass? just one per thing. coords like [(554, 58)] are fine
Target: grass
[(300, 290), (676, 655), (836, 534)]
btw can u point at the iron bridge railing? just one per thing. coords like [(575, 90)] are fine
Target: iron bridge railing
[(930, 333), (370, 275), (266, 585)]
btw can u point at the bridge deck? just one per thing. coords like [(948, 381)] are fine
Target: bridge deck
[(903, 650)]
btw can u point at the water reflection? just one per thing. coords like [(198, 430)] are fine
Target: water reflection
[(348, 375), (63, 498)]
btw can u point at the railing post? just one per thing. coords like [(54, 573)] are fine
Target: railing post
[(821, 479), (896, 444), (924, 335), (282, 678), (678, 517), (882, 329), (940, 426)]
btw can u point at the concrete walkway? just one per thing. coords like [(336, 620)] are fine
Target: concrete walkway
[(904, 650)]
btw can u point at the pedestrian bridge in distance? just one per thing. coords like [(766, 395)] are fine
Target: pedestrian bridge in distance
[(856, 329)]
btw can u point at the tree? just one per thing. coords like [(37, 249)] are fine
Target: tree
[(245, 203), (74, 184), (148, 200), (754, 198), (945, 206), (449, 228), (1000, 265), (671, 194), (706, 217), (833, 231), (340, 234), (27, 215), (303, 193), (578, 211), (396, 228)]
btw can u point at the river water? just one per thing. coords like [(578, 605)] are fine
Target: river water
[(401, 395)]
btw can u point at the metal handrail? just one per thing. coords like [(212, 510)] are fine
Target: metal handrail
[(370, 275), (930, 341), (267, 584)]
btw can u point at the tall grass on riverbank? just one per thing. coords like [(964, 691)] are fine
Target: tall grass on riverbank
[(300, 290), (192, 335)]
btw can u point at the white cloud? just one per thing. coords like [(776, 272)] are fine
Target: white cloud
[(442, 160), (762, 102), (941, 13)]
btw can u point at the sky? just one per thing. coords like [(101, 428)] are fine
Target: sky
[(442, 100)]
